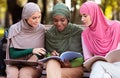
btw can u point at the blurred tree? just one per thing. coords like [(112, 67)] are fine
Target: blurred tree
[(75, 16), (15, 10), (44, 12), (74, 2), (2, 10), (2, 3), (111, 7), (35, 1)]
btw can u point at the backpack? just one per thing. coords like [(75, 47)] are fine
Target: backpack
[(3, 42)]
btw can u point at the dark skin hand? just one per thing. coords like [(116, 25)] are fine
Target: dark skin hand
[(66, 62), (54, 53)]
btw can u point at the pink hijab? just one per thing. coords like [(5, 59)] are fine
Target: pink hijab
[(102, 35)]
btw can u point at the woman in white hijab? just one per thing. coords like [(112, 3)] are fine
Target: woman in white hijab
[(26, 42)]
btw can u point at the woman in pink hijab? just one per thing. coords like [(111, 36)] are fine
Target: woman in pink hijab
[(99, 37)]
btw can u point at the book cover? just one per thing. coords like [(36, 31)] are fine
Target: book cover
[(20, 62)]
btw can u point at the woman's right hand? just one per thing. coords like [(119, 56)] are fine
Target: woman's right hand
[(39, 51)]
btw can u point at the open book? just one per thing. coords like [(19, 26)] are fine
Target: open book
[(52, 57), (68, 55), (30, 63), (111, 57), (64, 56)]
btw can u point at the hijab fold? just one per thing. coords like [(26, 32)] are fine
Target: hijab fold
[(67, 40), (102, 35), (63, 41), (24, 36)]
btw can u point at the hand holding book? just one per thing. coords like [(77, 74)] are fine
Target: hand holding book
[(63, 59), (111, 57)]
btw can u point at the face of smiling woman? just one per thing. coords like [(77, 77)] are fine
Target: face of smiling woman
[(34, 20), (60, 22)]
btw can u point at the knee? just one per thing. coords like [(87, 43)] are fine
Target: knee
[(98, 64), (107, 75), (52, 62), (25, 71), (12, 72), (71, 72), (29, 72)]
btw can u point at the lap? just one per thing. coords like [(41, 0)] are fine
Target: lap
[(105, 67), (30, 72), (13, 71), (76, 72), (54, 66)]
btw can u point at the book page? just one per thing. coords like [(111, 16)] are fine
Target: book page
[(88, 63), (113, 56), (48, 58), (52, 57)]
